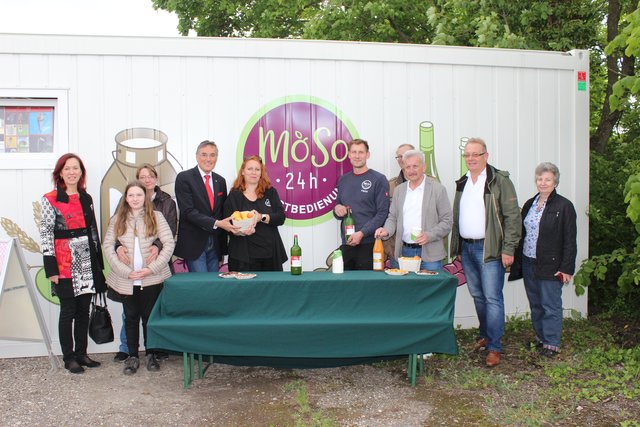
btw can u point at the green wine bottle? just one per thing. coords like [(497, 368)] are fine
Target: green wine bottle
[(296, 257), (349, 224)]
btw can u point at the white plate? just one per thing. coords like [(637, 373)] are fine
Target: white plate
[(426, 273), (245, 276), (396, 272), (229, 275)]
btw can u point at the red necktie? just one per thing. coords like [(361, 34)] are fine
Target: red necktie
[(207, 178)]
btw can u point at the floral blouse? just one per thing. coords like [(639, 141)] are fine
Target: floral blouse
[(532, 227)]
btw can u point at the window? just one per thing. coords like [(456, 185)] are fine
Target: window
[(33, 128)]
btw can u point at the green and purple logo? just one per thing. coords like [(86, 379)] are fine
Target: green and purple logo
[(302, 141)]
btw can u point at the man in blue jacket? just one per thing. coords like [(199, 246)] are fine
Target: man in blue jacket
[(366, 193)]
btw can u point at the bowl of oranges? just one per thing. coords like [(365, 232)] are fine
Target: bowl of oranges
[(243, 219), (409, 263)]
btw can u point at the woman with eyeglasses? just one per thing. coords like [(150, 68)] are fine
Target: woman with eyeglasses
[(260, 247), (162, 202)]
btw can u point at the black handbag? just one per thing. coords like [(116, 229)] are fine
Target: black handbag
[(100, 327)]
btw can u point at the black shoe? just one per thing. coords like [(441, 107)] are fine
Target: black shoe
[(547, 352), (131, 365), (73, 366), (534, 344), (86, 361), (152, 363), (162, 355), (120, 356)]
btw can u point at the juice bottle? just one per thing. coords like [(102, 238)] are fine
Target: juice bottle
[(378, 255), (296, 257)]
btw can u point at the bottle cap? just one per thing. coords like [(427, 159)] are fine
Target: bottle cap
[(337, 254)]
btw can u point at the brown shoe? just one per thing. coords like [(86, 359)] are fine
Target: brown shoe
[(493, 359), (480, 344)]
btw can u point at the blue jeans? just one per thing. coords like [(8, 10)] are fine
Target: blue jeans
[(123, 336), (207, 261), (411, 252), (485, 281), (545, 300)]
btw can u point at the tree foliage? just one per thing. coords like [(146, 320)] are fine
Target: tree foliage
[(613, 236), (525, 24), (628, 42), (616, 256)]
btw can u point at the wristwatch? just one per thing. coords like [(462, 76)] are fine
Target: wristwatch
[(264, 218)]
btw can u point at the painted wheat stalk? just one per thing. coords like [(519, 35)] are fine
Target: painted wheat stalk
[(14, 230), (37, 213)]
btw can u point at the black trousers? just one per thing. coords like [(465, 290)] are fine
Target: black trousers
[(73, 325), (138, 306), (358, 257)]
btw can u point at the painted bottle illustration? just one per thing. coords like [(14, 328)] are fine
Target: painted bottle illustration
[(427, 146), (463, 164), (134, 147)]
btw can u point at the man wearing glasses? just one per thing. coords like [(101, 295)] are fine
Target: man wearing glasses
[(486, 231), (202, 241)]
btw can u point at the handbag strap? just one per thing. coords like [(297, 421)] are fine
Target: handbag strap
[(100, 299)]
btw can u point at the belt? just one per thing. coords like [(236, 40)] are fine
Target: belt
[(68, 234), (411, 245), (472, 241)]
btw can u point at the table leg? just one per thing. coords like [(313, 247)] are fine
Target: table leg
[(185, 369), (200, 371), (192, 363), (413, 359), (421, 364)]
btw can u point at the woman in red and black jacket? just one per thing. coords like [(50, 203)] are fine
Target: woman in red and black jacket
[(72, 257)]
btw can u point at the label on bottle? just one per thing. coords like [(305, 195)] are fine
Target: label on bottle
[(377, 264), (349, 229), (296, 261)]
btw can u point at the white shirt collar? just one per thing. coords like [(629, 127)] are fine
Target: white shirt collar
[(419, 187), (203, 173), (483, 173)]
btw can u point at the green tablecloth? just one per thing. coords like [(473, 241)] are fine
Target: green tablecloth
[(316, 315)]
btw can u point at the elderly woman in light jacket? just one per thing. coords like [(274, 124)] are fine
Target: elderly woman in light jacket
[(136, 226)]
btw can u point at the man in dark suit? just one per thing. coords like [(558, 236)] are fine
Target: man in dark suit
[(202, 232)]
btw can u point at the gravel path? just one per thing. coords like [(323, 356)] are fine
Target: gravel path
[(227, 396)]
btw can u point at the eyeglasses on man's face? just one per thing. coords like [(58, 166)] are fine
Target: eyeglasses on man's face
[(473, 155)]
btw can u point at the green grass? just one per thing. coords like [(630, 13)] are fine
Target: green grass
[(592, 370), (304, 415)]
